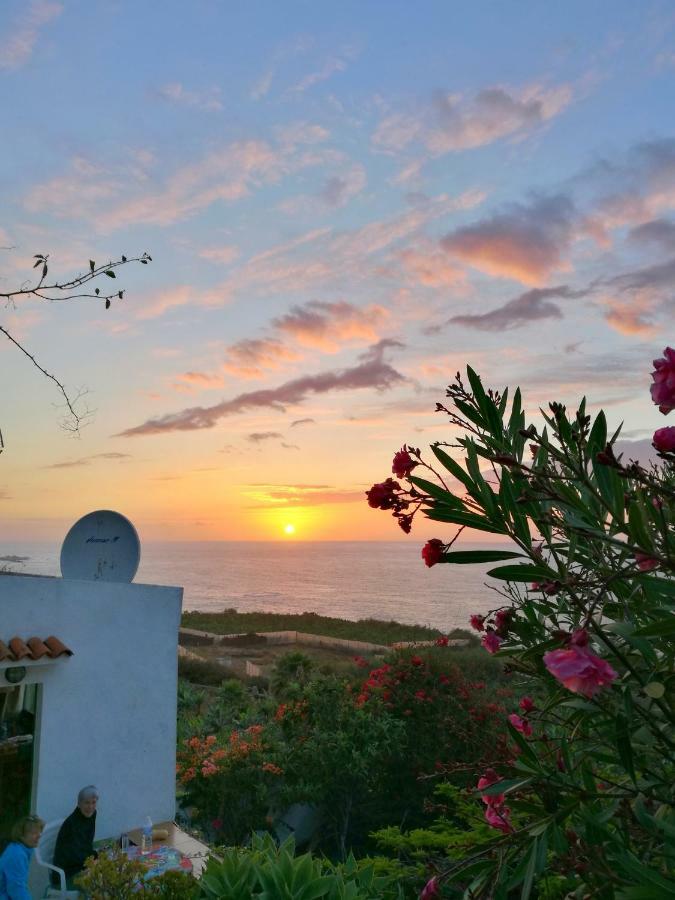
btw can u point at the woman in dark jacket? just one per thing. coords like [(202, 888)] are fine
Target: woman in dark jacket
[(75, 840)]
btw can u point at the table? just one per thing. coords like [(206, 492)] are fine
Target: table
[(161, 859)]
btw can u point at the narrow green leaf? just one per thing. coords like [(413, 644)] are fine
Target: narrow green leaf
[(522, 573), (623, 744), (662, 628), (457, 517), (469, 557), (435, 490)]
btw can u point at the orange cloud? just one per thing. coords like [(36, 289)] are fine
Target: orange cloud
[(327, 325), (252, 358), (527, 242)]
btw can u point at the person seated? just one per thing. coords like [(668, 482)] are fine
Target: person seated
[(75, 840), (16, 857)]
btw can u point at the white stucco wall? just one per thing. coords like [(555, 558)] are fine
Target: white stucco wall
[(108, 713)]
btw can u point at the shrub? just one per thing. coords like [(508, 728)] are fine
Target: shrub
[(588, 616)]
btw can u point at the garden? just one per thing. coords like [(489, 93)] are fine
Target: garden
[(537, 762)]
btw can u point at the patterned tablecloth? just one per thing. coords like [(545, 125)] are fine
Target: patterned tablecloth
[(159, 860)]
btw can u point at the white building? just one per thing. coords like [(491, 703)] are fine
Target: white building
[(105, 715)]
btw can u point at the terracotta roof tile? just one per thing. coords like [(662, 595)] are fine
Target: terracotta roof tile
[(17, 649)]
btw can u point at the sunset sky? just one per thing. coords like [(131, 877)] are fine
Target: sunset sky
[(345, 203)]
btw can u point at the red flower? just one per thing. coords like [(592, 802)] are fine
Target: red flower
[(477, 622), (420, 695), (663, 389), (579, 670), (526, 704), (645, 562), (405, 522), (432, 552), (430, 890), (383, 495), (498, 817), (441, 642), (664, 439), (491, 641), (416, 661), (503, 620), (403, 463), (487, 780), (216, 824), (521, 725)]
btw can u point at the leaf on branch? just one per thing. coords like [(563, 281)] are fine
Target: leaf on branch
[(124, 259), (107, 303), (110, 273), (97, 291), (120, 294), (92, 264), (37, 263)]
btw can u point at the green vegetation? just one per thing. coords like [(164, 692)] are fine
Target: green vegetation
[(377, 632)]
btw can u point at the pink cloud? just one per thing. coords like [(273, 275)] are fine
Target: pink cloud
[(630, 317), (252, 358), (453, 123), (161, 301), (328, 325), (527, 242), (19, 44), (372, 373), (223, 255), (208, 100), (430, 267)]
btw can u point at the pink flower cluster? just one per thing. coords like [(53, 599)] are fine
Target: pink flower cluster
[(496, 813), (432, 552), (403, 463), (663, 388), (431, 889)]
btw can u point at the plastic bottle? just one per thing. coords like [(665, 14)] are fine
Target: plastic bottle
[(146, 836)]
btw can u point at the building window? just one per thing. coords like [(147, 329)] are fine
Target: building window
[(18, 714)]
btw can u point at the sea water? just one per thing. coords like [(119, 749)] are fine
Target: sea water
[(350, 580)]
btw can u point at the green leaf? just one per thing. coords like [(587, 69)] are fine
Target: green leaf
[(453, 467), (468, 557), (654, 689), (662, 628), (435, 490), (623, 744), (529, 872), (92, 264), (522, 573), (457, 517), (110, 273)]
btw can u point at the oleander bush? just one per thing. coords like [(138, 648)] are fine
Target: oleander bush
[(583, 803)]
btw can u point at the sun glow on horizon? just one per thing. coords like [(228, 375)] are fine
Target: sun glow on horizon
[(289, 529)]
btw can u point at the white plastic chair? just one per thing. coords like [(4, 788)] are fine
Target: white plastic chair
[(44, 855)]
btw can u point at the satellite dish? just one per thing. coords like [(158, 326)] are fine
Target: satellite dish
[(101, 546)]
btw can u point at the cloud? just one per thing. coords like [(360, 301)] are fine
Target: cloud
[(223, 255), (451, 122), (369, 374), (207, 100), (431, 268), (528, 307), (659, 232), (86, 460), (251, 358), (330, 67), (17, 48), (200, 380), (302, 133), (283, 496), (636, 296), (340, 188), (225, 175), (257, 437), (159, 302), (299, 422), (527, 241), (328, 325), (264, 83)]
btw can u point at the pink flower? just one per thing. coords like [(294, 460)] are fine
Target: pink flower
[(503, 620), (579, 670), (383, 496), (526, 704), (663, 389), (477, 622), (664, 439), (403, 463), (645, 562), (521, 725), (491, 641), (416, 661), (441, 641), (430, 890), (579, 637), (490, 778), (498, 817), (432, 552)]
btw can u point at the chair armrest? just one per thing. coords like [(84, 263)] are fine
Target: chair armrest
[(61, 873)]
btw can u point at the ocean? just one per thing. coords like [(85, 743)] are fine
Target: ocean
[(351, 580)]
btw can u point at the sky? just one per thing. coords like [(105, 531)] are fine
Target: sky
[(345, 203)]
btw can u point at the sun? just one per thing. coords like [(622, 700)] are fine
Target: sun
[(289, 529)]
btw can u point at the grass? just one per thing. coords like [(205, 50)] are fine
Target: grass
[(374, 630)]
